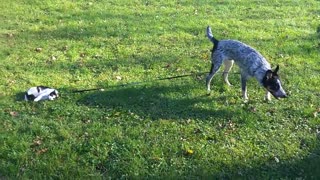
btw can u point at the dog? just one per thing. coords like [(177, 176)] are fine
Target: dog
[(251, 63), (40, 93)]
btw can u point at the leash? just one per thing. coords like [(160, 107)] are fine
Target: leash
[(141, 82)]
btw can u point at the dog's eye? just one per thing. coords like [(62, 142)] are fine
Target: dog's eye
[(275, 87), (269, 88)]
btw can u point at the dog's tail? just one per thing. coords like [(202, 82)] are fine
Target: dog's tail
[(210, 36)]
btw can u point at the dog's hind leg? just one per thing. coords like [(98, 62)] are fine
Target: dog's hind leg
[(214, 68), (227, 67)]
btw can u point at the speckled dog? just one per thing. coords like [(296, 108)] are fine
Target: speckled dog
[(251, 63)]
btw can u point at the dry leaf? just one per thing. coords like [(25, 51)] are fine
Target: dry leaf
[(64, 48), (10, 35), (53, 58), (118, 78), (37, 142), (14, 113), (253, 109), (189, 152), (233, 140), (41, 151), (38, 49)]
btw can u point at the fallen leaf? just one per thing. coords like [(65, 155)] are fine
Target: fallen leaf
[(53, 58), (118, 78), (167, 66), (41, 151), (37, 142), (253, 109), (10, 35), (230, 125), (197, 131), (97, 56), (14, 113), (189, 121), (65, 48), (156, 158), (189, 152), (38, 49)]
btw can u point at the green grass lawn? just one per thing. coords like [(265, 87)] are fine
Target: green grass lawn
[(158, 129)]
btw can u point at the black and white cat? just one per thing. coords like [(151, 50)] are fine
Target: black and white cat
[(40, 93)]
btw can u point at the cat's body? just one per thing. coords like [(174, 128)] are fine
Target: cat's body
[(40, 93)]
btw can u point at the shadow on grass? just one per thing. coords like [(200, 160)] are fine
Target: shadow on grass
[(179, 102), (173, 102), (19, 96), (305, 168), (106, 24)]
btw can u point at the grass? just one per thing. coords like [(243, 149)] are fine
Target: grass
[(158, 129)]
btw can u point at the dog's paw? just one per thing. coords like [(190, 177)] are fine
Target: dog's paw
[(208, 91), (228, 83), (245, 98), (267, 98)]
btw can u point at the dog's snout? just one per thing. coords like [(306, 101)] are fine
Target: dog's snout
[(282, 96)]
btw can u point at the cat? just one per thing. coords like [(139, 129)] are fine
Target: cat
[(40, 93)]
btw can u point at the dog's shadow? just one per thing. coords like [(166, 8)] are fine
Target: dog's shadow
[(176, 102)]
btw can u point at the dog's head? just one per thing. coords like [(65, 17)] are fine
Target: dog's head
[(272, 83)]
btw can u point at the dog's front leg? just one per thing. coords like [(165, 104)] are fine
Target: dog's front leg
[(267, 96), (244, 86)]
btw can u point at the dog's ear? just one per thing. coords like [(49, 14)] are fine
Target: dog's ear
[(276, 70), (269, 74)]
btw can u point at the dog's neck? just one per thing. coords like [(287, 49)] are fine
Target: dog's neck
[(261, 73)]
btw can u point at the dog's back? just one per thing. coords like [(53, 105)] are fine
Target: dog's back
[(247, 58)]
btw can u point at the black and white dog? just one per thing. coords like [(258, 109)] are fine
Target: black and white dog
[(251, 63), (41, 93)]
